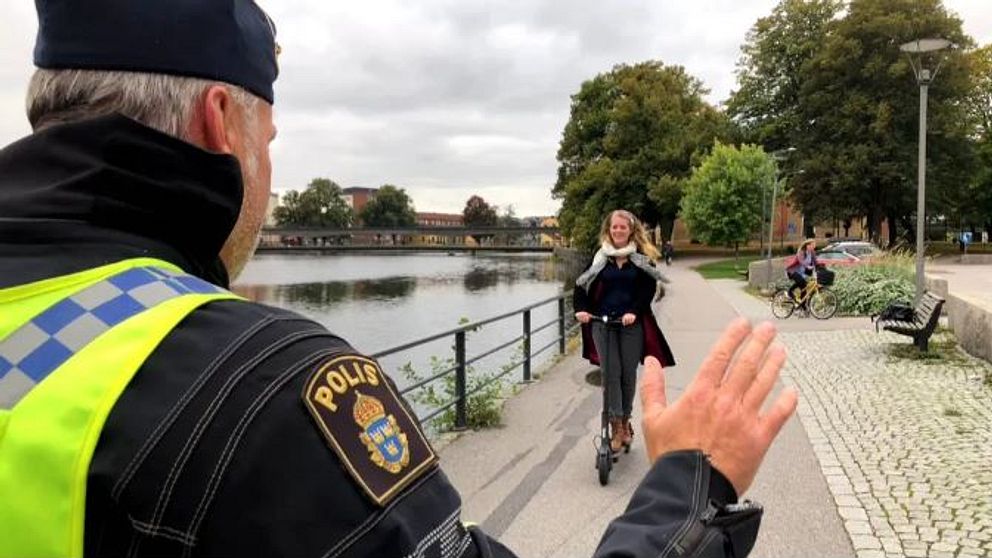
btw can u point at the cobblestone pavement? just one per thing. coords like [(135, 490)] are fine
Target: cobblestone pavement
[(905, 445)]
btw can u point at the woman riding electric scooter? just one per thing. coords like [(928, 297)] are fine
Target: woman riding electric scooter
[(620, 285)]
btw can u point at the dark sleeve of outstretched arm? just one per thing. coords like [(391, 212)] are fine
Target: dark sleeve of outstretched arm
[(679, 510)]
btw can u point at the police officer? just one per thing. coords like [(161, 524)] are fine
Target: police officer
[(145, 410)]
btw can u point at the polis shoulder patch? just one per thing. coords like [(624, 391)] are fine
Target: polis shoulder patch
[(367, 425)]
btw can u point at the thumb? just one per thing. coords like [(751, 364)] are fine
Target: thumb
[(653, 387)]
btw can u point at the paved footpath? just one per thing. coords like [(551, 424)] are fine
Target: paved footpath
[(905, 445), (532, 483)]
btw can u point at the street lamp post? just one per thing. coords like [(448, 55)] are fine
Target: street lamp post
[(761, 235), (916, 51), (778, 155)]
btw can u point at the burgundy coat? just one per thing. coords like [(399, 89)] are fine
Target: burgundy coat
[(654, 341)]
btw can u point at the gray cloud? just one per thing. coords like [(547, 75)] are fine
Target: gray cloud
[(449, 98)]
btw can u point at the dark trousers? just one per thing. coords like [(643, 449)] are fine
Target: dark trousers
[(620, 373), (798, 283)]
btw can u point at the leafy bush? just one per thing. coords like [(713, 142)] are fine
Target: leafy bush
[(867, 289), (483, 408)]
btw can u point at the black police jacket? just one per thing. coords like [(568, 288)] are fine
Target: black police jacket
[(214, 448)]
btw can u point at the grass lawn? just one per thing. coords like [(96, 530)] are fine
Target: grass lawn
[(726, 269)]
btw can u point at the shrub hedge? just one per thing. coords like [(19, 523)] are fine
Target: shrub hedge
[(866, 289)]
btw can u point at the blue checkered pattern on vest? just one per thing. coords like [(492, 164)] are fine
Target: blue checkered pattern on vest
[(39, 347)]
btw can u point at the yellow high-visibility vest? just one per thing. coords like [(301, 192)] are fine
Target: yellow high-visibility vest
[(68, 347)]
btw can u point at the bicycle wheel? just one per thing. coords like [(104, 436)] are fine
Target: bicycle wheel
[(823, 304), (782, 304)]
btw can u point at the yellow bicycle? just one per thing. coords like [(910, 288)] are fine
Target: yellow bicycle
[(815, 299)]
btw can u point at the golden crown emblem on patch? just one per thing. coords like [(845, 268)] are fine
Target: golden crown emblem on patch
[(387, 444)]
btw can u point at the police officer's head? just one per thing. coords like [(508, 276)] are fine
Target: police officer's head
[(199, 70)]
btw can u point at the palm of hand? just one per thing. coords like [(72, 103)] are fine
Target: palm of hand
[(720, 411)]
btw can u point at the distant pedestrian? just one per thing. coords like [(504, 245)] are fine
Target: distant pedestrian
[(668, 251)]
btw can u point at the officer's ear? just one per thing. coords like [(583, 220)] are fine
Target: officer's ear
[(220, 123)]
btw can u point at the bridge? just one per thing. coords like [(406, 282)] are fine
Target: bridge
[(268, 247), (419, 238), (328, 232)]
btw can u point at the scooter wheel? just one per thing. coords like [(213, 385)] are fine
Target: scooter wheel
[(604, 463)]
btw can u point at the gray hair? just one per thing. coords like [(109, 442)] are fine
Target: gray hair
[(163, 102)]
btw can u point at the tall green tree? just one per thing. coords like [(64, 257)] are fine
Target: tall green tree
[(630, 143), (319, 205), (769, 72), (859, 108), (979, 99), (479, 213), (978, 208), (391, 207), (722, 202)]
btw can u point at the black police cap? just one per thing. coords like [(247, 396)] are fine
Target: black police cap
[(225, 40)]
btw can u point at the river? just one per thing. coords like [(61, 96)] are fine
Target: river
[(377, 301)]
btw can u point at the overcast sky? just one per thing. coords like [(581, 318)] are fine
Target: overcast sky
[(450, 98)]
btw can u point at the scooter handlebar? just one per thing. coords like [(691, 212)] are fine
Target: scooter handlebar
[(606, 319)]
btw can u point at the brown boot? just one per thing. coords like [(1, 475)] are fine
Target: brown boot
[(617, 431), (628, 433)]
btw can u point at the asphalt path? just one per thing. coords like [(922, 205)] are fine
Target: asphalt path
[(532, 482)]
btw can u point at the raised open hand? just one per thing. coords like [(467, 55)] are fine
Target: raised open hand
[(720, 411)]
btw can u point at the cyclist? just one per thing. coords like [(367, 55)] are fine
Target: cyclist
[(800, 267)]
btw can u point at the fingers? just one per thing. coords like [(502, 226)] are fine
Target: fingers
[(775, 418), (653, 397), (749, 360), (711, 371), (765, 380)]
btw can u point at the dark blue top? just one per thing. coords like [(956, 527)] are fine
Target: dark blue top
[(619, 289)]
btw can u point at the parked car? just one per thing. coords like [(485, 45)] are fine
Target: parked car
[(837, 257), (859, 248)]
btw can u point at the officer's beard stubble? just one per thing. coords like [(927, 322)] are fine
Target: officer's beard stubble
[(244, 238)]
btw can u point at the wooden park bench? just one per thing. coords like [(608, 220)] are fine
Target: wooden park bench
[(926, 313)]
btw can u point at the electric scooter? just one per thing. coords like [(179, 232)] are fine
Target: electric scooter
[(605, 458)]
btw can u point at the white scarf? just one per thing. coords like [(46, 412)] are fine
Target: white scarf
[(608, 249)]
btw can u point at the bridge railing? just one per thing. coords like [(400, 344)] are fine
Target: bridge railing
[(461, 361)]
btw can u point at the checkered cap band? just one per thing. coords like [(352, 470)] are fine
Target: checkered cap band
[(39, 347)]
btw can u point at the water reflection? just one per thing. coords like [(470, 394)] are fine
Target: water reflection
[(478, 279), (321, 295), (378, 301)]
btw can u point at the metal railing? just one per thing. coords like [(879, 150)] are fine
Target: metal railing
[(460, 401)]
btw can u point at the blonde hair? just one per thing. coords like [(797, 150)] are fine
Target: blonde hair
[(637, 233), (805, 243)]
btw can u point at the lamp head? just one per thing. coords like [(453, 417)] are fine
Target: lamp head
[(920, 46)]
